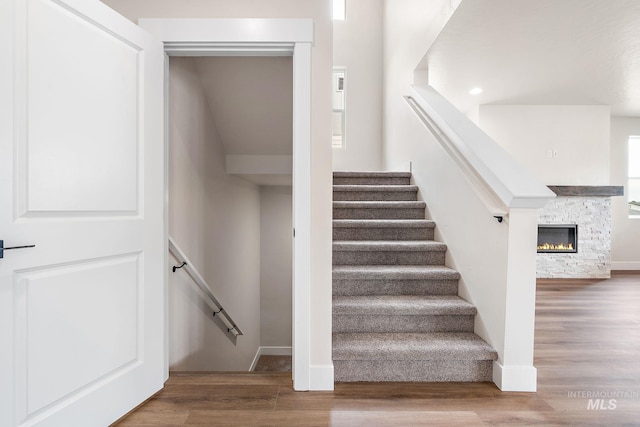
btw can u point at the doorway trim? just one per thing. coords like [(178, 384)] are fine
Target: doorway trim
[(265, 37)]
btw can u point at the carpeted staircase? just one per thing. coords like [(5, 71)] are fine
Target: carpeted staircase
[(396, 311)]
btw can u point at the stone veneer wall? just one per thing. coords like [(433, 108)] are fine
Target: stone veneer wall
[(593, 259)]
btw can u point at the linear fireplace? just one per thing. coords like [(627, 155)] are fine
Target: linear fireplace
[(558, 238)]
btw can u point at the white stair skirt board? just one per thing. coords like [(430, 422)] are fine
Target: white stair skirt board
[(625, 265), (269, 351), (515, 378)]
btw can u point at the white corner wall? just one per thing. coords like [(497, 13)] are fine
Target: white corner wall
[(357, 45), (215, 219), (625, 250), (576, 137), (275, 266)]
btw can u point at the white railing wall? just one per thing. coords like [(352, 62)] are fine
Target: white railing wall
[(482, 157), (485, 207), (494, 204)]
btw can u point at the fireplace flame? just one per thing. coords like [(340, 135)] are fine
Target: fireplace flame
[(552, 247)]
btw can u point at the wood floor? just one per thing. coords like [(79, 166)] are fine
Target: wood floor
[(587, 348), (268, 363)]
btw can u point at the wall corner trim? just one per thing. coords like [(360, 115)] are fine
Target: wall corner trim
[(321, 378), (515, 378)]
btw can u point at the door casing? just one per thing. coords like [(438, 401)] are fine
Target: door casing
[(264, 37)]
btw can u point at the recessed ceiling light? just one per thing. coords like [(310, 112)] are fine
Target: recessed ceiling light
[(475, 91)]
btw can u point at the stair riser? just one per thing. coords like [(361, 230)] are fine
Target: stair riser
[(388, 258), (361, 196), (414, 370), (375, 213), (341, 233), (383, 323), (394, 287), (382, 180)]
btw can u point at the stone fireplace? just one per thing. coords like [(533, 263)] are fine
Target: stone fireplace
[(589, 209)]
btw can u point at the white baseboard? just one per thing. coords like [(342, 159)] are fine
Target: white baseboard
[(515, 378), (269, 351), (321, 377), (625, 265)]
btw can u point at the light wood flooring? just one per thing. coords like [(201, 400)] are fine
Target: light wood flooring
[(587, 343)]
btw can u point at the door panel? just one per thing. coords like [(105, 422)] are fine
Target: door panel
[(58, 365), (82, 178), (83, 157)]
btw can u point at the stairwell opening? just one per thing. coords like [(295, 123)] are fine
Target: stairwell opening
[(230, 208)]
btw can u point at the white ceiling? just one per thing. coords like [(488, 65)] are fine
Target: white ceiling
[(544, 52), (251, 102)]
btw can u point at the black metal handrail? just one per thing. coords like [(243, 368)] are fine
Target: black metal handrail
[(232, 328)]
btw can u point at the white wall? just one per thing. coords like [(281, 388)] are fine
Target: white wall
[(321, 57), (357, 45), (410, 27), (579, 134), (275, 266), (215, 219), (625, 250)]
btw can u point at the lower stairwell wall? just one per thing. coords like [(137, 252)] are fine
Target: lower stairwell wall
[(215, 219), (497, 269), (275, 267)]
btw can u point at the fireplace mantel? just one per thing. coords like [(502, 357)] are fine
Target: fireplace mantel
[(587, 190)]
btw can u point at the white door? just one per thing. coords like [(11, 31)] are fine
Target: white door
[(81, 178)]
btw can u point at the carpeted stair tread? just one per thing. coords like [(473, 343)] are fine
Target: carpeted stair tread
[(383, 223), (411, 346), (400, 204), (346, 174), (375, 188), (394, 272), (437, 370), (384, 190), (402, 305), (388, 245), (371, 178), (383, 229)]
